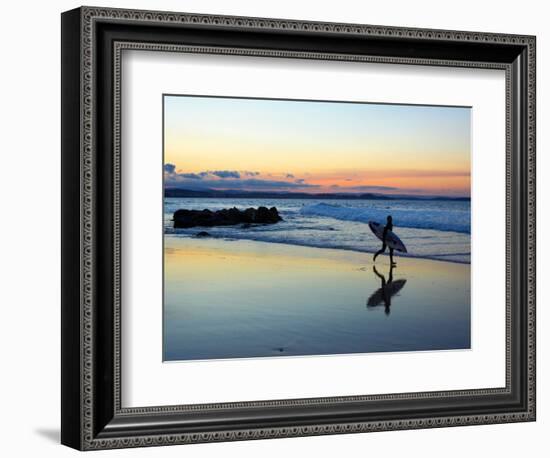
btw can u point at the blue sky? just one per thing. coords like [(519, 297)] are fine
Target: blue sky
[(316, 146)]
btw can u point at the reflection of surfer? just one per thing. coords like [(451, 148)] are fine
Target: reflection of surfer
[(386, 291), (388, 227)]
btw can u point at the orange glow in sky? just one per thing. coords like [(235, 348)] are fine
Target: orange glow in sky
[(281, 145)]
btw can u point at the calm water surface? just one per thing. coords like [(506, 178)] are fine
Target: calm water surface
[(240, 298)]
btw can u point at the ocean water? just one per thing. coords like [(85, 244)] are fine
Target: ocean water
[(432, 229)]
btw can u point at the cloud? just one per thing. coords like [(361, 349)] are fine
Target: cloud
[(225, 173), (416, 173), (369, 188), (191, 176), (170, 172), (276, 184), (229, 181), (170, 169), (363, 188), (435, 173), (252, 180)]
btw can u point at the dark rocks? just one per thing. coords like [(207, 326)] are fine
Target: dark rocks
[(202, 234), (226, 217), (263, 215)]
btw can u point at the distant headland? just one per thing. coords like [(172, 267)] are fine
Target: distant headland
[(232, 194)]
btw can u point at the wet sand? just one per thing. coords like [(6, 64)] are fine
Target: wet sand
[(238, 299)]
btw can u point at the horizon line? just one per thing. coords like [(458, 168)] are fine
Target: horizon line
[(316, 194)]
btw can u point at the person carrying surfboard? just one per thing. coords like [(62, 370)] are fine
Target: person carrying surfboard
[(387, 228), (388, 238)]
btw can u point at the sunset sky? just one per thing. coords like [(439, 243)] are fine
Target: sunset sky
[(279, 145)]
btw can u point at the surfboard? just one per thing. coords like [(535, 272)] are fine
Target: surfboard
[(391, 239), (387, 293)]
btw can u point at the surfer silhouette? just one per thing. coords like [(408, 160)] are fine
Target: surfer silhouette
[(388, 289), (387, 228)]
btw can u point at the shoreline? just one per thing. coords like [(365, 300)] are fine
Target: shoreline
[(397, 255)]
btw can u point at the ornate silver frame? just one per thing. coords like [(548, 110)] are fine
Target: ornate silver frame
[(106, 424)]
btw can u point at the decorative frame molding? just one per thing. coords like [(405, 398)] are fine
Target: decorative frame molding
[(101, 421)]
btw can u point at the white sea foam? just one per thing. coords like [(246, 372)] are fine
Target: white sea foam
[(429, 229), (440, 219)]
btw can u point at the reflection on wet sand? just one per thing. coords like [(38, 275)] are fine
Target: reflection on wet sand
[(388, 289), (247, 299)]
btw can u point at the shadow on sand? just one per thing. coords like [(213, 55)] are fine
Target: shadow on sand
[(388, 289)]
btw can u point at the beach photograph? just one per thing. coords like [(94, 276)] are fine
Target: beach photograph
[(306, 227)]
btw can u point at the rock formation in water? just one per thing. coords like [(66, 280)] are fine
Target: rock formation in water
[(227, 217)]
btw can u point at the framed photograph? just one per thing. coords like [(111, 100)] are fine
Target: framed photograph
[(276, 228)]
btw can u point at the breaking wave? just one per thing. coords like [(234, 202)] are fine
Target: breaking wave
[(436, 219)]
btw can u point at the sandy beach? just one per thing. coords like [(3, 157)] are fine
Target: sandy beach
[(238, 298)]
